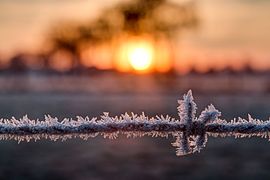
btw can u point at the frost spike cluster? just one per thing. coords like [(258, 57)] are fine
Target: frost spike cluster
[(194, 137), (190, 132)]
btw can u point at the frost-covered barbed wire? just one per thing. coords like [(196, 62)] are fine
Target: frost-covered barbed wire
[(190, 132)]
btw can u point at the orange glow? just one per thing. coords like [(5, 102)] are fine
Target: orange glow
[(98, 56), (61, 61), (121, 61), (134, 53), (142, 55), (163, 57)]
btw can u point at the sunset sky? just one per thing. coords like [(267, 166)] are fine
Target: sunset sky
[(230, 30)]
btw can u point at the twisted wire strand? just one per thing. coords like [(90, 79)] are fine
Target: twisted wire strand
[(190, 132)]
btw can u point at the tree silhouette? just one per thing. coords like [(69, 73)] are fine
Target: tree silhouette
[(155, 17)]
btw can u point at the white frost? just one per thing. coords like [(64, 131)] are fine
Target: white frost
[(190, 132)]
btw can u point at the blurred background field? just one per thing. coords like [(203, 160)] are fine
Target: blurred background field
[(69, 58)]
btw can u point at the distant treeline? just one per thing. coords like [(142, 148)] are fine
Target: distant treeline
[(39, 64)]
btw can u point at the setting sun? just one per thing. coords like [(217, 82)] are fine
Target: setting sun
[(142, 54), (140, 57), (135, 53)]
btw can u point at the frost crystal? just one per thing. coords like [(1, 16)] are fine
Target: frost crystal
[(190, 132)]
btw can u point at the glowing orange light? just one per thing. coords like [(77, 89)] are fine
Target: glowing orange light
[(135, 53), (140, 56)]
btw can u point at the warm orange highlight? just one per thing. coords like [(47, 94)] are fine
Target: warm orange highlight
[(142, 54), (163, 57), (61, 61), (99, 56)]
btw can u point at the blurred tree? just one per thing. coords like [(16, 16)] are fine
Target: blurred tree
[(18, 64), (160, 18)]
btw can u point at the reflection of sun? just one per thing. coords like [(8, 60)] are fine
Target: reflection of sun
[(140, 57)]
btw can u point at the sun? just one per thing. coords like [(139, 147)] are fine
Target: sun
[(140, 56), (135, 54)]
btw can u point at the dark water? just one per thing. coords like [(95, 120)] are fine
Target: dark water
[(140, 158)]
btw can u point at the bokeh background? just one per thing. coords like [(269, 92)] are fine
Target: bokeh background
[(67, 58)]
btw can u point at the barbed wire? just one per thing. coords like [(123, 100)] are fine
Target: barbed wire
[(191, 133)]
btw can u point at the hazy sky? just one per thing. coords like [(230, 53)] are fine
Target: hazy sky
[(227, 27), (231, 29)]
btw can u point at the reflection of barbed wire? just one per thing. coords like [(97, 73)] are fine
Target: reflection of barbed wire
[(190, 132)]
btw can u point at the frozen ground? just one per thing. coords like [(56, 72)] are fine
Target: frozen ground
[(141, 158)]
